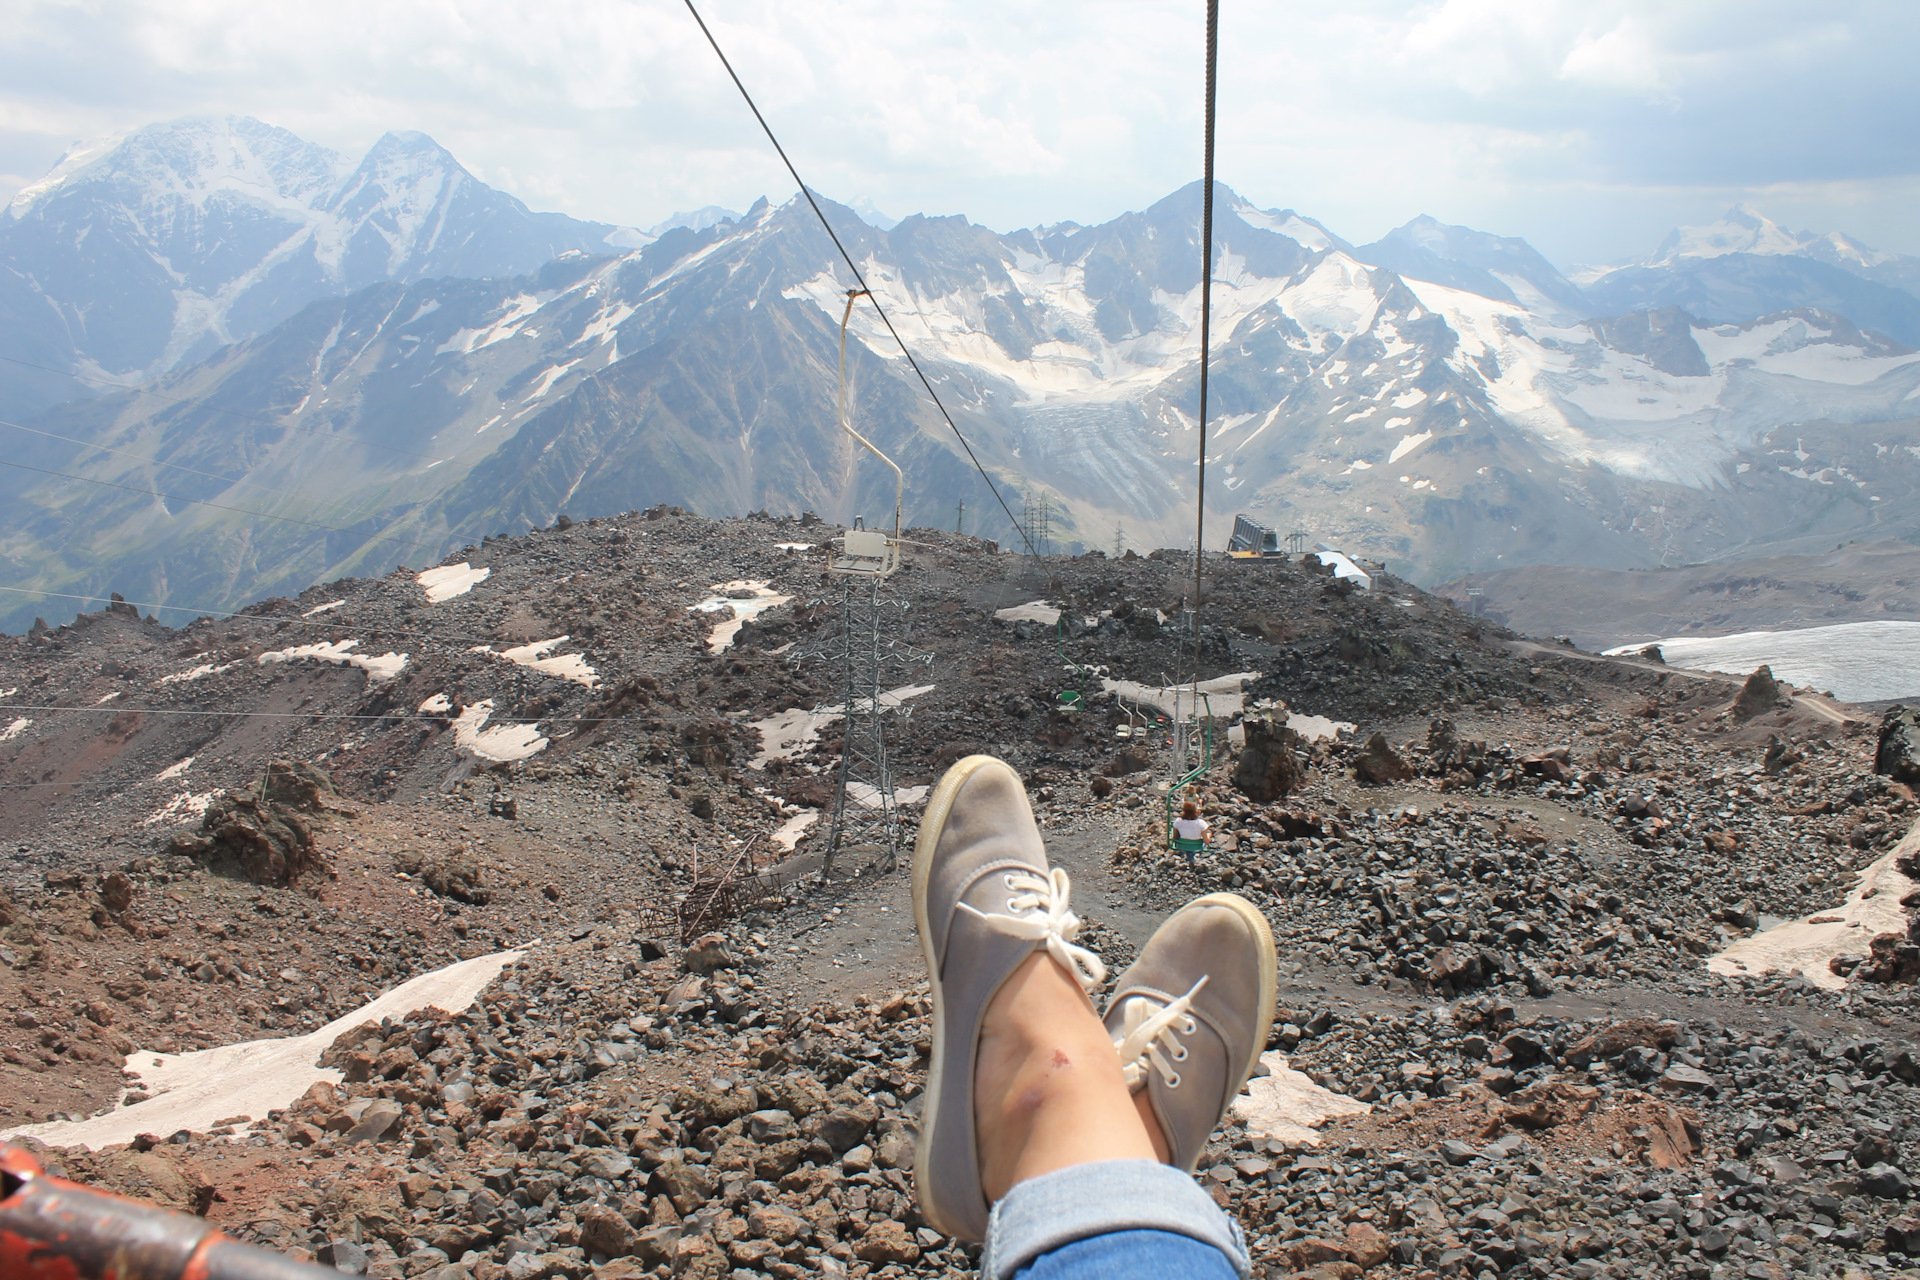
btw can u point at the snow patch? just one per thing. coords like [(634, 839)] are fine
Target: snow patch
[(1287, 1106), (1032, 611), (788, 833), (197, 1090), (1407, 445), (379, 669), (1226, 695), (203, 670), (438, 704), (568, 666), (184, 808), (867, 796), (1807, 947), (173, 770), (318, 609), (15, 729), (451, 580), (501, 744), (1317, 728), (747, 598), (785, 734)]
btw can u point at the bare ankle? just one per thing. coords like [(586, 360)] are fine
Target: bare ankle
[(1048, 1089)]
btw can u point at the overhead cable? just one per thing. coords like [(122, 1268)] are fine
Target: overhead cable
[(1206, 315), (861, 280)]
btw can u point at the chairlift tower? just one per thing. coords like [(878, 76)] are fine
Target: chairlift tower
[(865, 813)]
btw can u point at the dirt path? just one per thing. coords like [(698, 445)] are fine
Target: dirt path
[(857, 938), (1817, 705)]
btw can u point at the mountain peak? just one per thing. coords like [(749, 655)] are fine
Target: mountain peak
[(408, 142), (191, 158), (1741, 229)]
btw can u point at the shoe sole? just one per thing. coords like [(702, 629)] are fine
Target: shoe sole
[(1269, 976), (932, 824)]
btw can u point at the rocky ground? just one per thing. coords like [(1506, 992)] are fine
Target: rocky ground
[(1493, 920)]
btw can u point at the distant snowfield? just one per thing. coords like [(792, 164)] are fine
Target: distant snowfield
[(1855, 661), (568, 666), (450, 580), (379, 669), (198, 1090)]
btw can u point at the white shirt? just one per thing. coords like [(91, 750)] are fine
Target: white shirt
[(1190, 828)]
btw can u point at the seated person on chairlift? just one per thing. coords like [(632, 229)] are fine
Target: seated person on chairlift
[(1191, 827)]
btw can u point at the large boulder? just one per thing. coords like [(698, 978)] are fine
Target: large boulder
[(1898, 756), (254, 839), (1269, 768), (1760, 694), (1378, 763)]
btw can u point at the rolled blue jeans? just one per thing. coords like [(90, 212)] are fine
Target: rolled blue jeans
[(1112, 1220)]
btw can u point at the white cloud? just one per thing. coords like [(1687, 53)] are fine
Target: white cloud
[(1547, 118)]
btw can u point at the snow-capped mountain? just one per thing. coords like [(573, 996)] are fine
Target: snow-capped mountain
[(1501, 267), (1458, 412), (1745, 230), (136, 255), (1746, 265)]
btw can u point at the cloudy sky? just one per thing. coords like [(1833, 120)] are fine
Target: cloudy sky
[(1588, 126)]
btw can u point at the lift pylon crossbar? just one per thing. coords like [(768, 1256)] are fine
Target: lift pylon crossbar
[(868, 552)]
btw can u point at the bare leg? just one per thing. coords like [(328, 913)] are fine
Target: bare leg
[(1047, 1088)]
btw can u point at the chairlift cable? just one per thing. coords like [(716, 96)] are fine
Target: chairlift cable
[(861, 280), (1206, 315)]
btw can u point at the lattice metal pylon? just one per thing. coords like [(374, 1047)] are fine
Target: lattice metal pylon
[(870, 654)]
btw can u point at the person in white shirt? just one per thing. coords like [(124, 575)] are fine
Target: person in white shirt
[(1190, 825)]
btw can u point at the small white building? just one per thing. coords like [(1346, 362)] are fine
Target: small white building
[(1343, 567)]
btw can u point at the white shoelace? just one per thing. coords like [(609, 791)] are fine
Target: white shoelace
[(1150, 1035), (1038, 910)]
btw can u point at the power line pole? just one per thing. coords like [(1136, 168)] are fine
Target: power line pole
[(960, 518)]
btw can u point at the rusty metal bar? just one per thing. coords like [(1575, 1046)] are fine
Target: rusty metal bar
[(52, 1229)]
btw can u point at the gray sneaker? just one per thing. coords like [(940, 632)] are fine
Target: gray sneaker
[(1190, 1018), (984, 899)]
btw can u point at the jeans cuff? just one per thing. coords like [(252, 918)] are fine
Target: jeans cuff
[(1055, 1209)]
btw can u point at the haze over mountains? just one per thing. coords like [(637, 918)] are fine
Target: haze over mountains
[(416, 361)]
